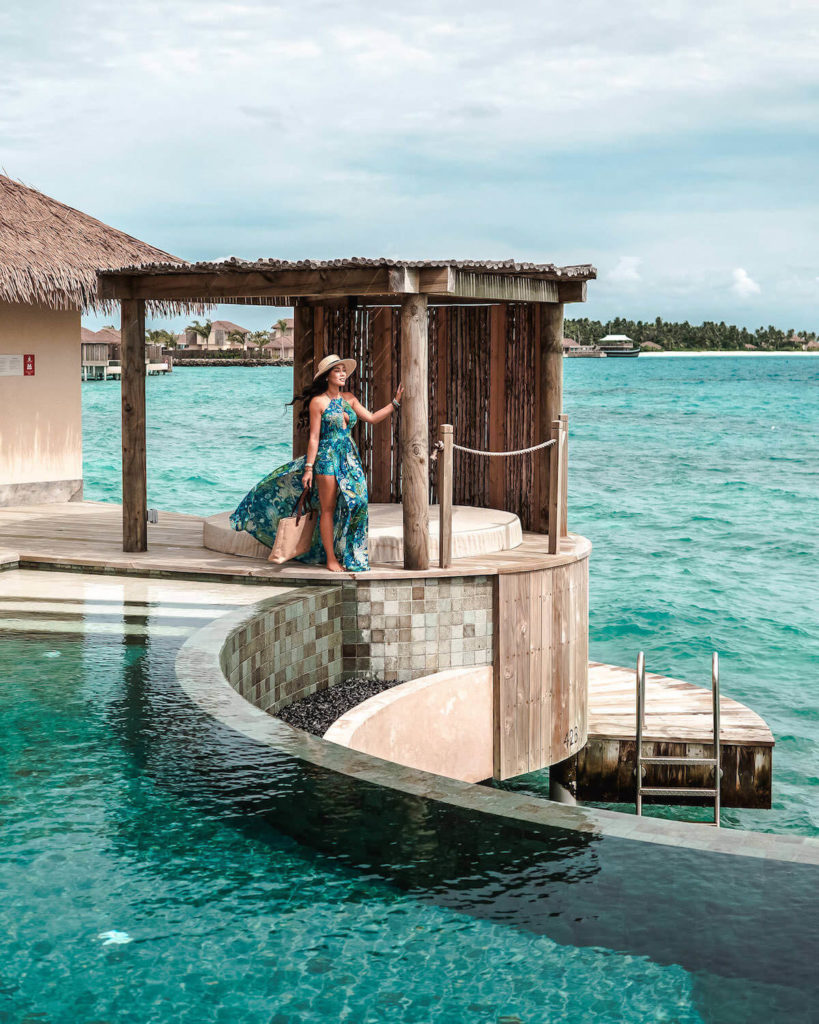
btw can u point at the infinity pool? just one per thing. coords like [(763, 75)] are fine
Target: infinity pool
[(156, 867)]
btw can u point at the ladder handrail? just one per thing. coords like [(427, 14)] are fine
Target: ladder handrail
[(717, 757), (641, 700), (716, 761)]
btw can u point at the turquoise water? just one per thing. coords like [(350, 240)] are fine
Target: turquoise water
[(156, 867), (697, 480)]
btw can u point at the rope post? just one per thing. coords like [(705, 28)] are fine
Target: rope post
[(555, 486), (564, 508), (445, 497)]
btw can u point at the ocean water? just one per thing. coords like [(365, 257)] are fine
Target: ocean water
[(697, 480)]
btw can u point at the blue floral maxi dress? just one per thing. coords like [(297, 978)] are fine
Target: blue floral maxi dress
[(275, 497)]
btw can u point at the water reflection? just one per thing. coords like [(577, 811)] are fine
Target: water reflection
[(748, 919)]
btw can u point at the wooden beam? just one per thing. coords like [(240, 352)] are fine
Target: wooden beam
[(571, 291), (403, 280), (549, 359), (326, 283), (339, 282), (381, 489), (302, 370), (134, 467), (415, 431)]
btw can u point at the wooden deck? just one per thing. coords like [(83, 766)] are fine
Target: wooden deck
[(88, 535), (678, 723)]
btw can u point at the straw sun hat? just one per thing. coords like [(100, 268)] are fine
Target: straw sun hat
[(328, 362)]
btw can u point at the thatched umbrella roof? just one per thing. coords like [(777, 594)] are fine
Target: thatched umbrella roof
[(50, 252)]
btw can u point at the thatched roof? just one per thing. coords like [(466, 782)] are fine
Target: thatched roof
[(584, 272), (50, 253)]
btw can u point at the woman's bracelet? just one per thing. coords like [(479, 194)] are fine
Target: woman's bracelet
[(308, 465), (396, 404)]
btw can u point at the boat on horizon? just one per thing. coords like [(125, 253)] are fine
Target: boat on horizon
[(618, 345)]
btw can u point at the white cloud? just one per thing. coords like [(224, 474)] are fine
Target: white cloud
[(626, 272), (744, 285)]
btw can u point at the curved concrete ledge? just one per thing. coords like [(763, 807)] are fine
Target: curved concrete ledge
[(475, 531), (200, 676), (441, 723)]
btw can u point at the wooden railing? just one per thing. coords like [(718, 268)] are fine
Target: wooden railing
[(558, 456)]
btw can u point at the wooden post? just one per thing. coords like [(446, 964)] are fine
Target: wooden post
[(302, 370), (550, 397), (415, 431), (564, 509), (445, 497), (555, 486), (134, 469)]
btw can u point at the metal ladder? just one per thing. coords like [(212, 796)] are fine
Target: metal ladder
[(713, 762)]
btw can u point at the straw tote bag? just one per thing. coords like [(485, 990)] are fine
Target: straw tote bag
[(295, 533)]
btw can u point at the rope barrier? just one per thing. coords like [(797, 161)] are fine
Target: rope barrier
[(439, 445), (519, 451)]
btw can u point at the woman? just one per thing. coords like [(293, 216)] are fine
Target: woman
[(332, 463)]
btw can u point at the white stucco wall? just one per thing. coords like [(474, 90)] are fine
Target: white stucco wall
[(440, 723), (40, 416)]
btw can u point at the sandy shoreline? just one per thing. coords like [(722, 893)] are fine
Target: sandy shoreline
[(728, 352)]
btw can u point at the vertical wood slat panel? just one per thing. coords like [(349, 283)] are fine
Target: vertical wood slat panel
[(537, 712), (302, 370), (521, 620), (485, 379), (434, 401), (546, 676), (381, 476), (540, 696)]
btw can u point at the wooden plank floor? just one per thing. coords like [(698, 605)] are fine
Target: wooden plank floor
[(89, 534), (676, 711)]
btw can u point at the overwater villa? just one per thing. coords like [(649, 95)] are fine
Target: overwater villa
[(474, 610), (48, 274)]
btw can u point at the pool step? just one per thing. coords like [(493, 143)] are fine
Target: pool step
[(672, 792)]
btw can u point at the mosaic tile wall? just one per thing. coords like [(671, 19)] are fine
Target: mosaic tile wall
[(402, 629), (289, 651)]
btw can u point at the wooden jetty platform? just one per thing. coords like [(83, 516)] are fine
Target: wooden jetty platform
[(88, 536), (678, 723)]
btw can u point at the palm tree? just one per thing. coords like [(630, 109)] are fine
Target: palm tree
[(238, 339), (161, 337), (260, 339), (203, 330)]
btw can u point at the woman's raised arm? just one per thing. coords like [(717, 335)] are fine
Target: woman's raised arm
[(379, 414)]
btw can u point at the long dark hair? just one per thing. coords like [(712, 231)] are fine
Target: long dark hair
[(313, 390)]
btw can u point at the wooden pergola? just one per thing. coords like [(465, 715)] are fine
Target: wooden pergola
[(476, 344)]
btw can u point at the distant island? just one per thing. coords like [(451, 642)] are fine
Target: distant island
[(682, 337)]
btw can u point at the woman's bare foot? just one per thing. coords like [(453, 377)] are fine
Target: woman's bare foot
[(335, 566)]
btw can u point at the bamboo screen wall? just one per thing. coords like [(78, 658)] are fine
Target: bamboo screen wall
[(483, 379)]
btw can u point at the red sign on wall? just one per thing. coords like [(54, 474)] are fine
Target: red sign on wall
[(28, 366)]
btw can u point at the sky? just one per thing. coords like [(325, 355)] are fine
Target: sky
[(670, 143)]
